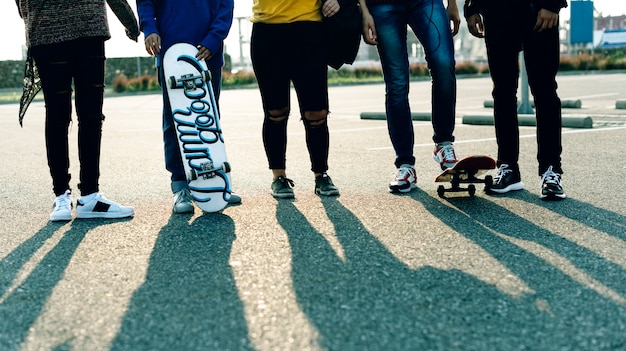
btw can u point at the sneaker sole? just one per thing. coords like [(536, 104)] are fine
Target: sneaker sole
[(553, 197), (61, 218), (183, 210), (397, 189), (327, 193), (283, 196), (512, 187), (104, 215)]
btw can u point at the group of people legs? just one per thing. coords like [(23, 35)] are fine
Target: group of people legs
[(284, 39)]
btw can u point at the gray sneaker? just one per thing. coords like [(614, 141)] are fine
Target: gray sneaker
[(183, 202), (324, 186), (282, 188), (234, 199)]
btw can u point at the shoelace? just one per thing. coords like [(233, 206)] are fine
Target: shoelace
[(287, 180), (61, 201), (403, 173), (550, 177), (502, 171), (185, 196), (448, 153)]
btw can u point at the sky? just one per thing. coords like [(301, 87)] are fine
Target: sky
[(12, 27)]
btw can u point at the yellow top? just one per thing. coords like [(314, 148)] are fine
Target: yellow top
[(286, 11)]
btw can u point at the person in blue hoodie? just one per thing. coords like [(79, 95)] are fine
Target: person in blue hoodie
[(205, 24)]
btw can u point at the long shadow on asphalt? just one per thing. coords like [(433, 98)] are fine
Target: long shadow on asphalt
[(20, 308), (600, 219), (501, 220), (188, 300), (585, 287), (368, 299)]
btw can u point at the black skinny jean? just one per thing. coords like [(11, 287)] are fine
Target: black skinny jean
[(81, 63), (505, 36)]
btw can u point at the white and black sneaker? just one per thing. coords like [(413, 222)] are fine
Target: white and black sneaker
[(506, 179), (551, 188), (62, 208), (97, 206)]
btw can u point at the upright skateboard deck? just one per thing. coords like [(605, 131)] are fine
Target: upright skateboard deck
[(467, 171), (198, 128)]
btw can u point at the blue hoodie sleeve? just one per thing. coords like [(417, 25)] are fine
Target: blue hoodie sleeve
[(220, 26), (146, 9)]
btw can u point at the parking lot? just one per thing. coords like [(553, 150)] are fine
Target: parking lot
[(367, 270)]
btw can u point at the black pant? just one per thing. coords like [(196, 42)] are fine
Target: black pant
[(80, 62), (505, 36), (291, 53)]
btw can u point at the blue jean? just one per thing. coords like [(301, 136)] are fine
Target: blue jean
[(429, 21), (173, 160)]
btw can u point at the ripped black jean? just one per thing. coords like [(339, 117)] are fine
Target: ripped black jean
[(77, 64)]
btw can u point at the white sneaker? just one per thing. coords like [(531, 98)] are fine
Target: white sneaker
[(445, 155), (404, 180), (183, 202), (101, 207), (62, 208)]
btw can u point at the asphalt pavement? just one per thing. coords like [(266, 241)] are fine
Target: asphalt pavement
[(367, 270)]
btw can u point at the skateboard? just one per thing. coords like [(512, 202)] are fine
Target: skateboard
[(466, 171), (198, 128)]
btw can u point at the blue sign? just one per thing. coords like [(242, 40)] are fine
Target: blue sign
[(581, 22)]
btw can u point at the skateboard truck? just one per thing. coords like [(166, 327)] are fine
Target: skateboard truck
[(188, 81), (468, 177), (208, 170), (466, 171)]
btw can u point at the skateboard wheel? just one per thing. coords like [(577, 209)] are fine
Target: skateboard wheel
[(206, 76), (226, 167), (172, 82), (192, 175), (472, 190), (441, 190), (488, 181)]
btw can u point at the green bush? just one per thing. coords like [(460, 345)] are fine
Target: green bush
[(466, 68), (139, 74), (120, 83), (238, 78)]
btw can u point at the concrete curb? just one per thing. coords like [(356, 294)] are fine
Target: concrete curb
[(564, 104), (416, 116), (530, 120)]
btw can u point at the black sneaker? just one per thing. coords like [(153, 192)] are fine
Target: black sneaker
[(324, 186), (282, 188), (506, 179), (551, 188)]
